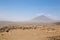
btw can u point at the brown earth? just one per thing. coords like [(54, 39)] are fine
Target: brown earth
[(42, 33)]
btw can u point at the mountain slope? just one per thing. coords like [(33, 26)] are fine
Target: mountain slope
[(41, 18)]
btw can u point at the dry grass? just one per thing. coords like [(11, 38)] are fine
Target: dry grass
[(30, 32), (54, 38)]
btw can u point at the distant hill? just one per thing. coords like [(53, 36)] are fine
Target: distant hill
[(57, 23), (42, 18)]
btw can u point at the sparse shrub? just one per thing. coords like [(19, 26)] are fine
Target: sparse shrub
[(52, 29), (7, 30), (54, 38), (22, 27)]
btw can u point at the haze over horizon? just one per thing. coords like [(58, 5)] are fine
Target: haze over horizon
[(23, 10)]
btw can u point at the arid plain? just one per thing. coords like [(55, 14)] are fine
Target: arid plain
[(36, 32)]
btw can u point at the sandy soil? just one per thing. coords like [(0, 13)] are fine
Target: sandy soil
[(31, 34)]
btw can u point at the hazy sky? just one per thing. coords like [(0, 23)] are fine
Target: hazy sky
[(22, 10)]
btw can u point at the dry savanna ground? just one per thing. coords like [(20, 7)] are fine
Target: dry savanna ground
[(48, 32)]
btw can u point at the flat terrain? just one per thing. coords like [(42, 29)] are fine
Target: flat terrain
[(42, 33)]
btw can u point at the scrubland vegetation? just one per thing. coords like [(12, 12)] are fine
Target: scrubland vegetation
[(54, 38), (30, 32)]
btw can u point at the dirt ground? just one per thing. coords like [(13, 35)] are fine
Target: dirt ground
[(31, 34)]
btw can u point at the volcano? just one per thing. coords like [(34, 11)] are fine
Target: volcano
[(42, 18)]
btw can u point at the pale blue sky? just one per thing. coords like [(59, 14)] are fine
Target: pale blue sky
[(23, 10)]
